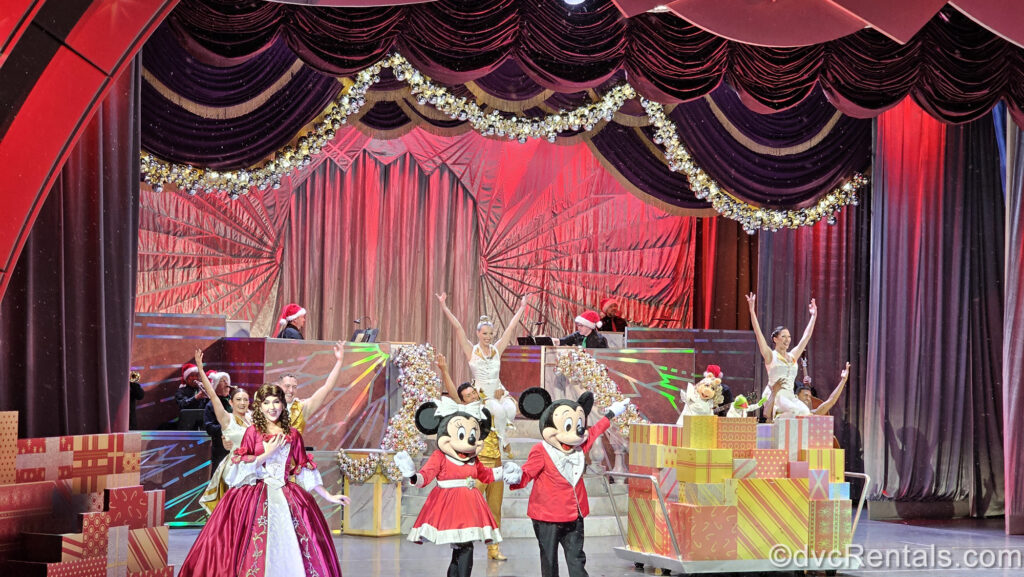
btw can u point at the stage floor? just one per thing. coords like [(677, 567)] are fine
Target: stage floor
[(947, 548)]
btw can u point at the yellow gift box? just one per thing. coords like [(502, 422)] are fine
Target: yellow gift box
[(703, 465), (771, 512), (708, 494), (700, 431), (645, 455), (648, 527), (640, 433), (832, 459)]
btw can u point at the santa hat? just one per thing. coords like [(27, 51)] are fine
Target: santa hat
[(713, 371), (291, 312), (606, 302), (589, 319), (186, 370)]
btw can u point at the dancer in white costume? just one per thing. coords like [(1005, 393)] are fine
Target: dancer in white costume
[(484, 360), (781, 363), (233, 426)]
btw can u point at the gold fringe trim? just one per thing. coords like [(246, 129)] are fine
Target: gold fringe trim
[(483, 97), (223, 112), (749, 144)]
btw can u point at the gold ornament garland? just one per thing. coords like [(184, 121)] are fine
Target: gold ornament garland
[(582, 369), (419, 384), (586, 118)]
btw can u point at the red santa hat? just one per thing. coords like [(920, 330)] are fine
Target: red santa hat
[(291, 312), (186, 370), (606, 302), (715, 370), (589, 319)]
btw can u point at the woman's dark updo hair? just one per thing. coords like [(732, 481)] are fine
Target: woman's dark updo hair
[(778, 330), (259, 420), (234, 391)]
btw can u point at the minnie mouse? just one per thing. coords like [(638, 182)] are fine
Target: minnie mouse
[(558, 501), (455, 512)]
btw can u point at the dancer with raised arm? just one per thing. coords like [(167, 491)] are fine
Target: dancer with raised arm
[(781, 363)]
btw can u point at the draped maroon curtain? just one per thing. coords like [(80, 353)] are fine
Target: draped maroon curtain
[(1013, 334), (66, 319), (932, 421)]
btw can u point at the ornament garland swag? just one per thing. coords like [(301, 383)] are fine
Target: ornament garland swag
[(157, 172)]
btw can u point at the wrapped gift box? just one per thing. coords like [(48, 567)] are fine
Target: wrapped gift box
[(155, 508), (94, 567), (744, 468), (704, 465), (705, 533), (771, 463), (640, 433), (41, 459), (830, 526), (127, 506), (117, 551), (818, 484), (8, 447), (161, 572), (708, 494), (743, 453), (669, 435), (798, 470), (820, 430), (667, 483), (647, 527), (646, 455), (56, 548), (24, 507), (771, 512), (147, 549), (737, 433), (832, 459), (765, 436), (700, 431), (376, 507), (839, 491), (791, 436), (94, 455)]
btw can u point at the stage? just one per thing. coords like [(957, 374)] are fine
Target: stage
[(903, 549)]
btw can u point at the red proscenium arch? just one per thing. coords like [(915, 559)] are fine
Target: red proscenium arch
[(57, 62)]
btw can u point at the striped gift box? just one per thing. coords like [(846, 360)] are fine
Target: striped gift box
[(648, 527), (640, 433), (818, 484), (744, 468), (771, 463), (705, 533), (700, 431), (704, 465), (771, 512), (668, 435), (155, 501), (667, 483), (147, 549), (791, 435)]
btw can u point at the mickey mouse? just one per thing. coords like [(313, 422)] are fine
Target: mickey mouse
[(455, 512), (558, 501)]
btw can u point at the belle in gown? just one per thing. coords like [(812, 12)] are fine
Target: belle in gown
[(267, 524)]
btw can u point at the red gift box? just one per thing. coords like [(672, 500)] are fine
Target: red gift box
[(94, 567), (155, 508), (8, 446), (41, 459), (95, 529), (161, 572), (798, 469), (705, 533), (127, 506), (147, 549), (820, 430), (23, 507), (771, 463)]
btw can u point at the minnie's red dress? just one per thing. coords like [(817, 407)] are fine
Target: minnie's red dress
[(267, 524), (455, 511)]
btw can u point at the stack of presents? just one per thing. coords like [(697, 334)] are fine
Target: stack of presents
[(735, 488), (74, 507)]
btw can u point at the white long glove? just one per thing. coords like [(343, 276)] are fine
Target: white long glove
[(512, 472), (404, 463), (618, 407)]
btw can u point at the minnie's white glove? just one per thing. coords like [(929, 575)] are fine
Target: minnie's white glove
[(512, 473), (404, 463)]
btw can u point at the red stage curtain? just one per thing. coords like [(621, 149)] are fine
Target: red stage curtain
[(932, 409), (379, 226), (65, 321)]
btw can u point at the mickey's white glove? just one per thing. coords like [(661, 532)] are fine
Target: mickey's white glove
[(512, 473), (618, 407), (404, 463)]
